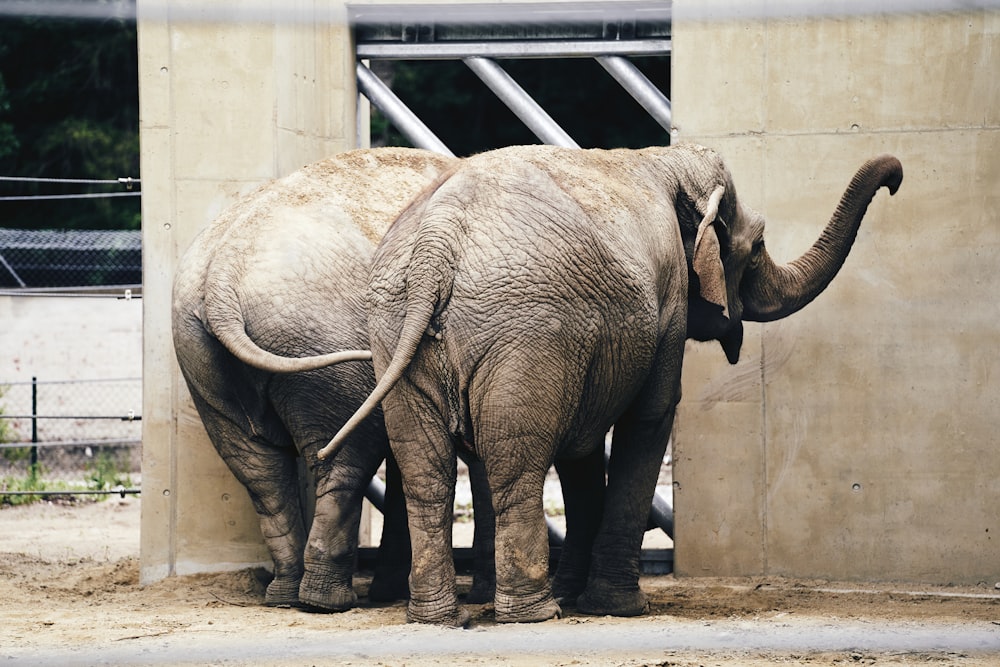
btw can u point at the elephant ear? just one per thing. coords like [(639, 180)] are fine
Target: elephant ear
[(707, 260)]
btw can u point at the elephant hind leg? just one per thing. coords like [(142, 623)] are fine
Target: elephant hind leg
[(270, 474), (427, 460), (523, 593)]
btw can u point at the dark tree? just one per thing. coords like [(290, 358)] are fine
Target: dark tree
[(69, 108)]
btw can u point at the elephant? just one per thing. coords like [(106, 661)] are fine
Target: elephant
[(538, 296), (282, 274)]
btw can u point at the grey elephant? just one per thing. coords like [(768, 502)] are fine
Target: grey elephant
[(282, 273), (539, 296)]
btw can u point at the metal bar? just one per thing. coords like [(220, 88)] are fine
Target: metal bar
[(641, 88), (34, 421), (375, 493), (25, 382), (397, 112), (10, 269), (512, 49), (523, 106), (661, 513), (88, 492), (72, 443), (74, 292), (651, 561), (124, 418)]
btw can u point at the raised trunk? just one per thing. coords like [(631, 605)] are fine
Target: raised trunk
[(770, 292)]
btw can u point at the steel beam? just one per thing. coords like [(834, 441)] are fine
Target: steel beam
[(518, 100), (638, 86), (398, 113), (512, 49)]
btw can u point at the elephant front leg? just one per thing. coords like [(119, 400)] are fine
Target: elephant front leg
[(484, 575), (582, 482), (392, 568), (613, 583)]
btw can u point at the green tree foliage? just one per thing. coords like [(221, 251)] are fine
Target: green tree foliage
[(579, 95), (69, 108)]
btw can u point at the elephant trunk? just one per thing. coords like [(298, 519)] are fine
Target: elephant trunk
[(772, 291)]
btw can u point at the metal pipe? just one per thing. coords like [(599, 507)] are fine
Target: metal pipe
[(661, 513), (523, 106), (34, 421), (512, 49), (638, 86), (397, 112), (375, 493)]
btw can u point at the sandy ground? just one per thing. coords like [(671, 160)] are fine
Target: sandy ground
[(69, 595)]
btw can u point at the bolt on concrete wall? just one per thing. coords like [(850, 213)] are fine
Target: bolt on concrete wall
[(225, 105), (856, 439)]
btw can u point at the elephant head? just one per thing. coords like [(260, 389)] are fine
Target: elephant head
[(732, 277)]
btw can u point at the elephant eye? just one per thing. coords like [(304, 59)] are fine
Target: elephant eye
[(755, 254)]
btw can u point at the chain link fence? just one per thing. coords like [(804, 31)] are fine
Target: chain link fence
[(69, 437), (69, 258)]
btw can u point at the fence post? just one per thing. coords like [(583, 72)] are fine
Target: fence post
[(34, 421)]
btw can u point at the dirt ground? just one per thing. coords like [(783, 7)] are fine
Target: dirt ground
[(69, 595)]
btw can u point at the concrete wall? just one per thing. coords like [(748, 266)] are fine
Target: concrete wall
[(69, 338), (856, 439), (224, 106)]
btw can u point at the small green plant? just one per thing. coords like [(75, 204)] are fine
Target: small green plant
[(104, 473), (32, 481)]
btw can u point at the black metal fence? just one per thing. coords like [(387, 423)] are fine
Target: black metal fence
[(70, 437)]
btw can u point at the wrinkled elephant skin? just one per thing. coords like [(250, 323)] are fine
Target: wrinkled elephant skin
[(539, 296), (282, 272)]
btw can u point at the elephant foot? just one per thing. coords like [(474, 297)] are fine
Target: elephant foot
[(526, 609), (566, 589), (318, 594), (599, 600), (282, 592), (389, 586), (438, 612), (483, 590), (459, 618)]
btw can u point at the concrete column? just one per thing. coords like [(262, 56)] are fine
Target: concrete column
[(856, 439), (228, 100)]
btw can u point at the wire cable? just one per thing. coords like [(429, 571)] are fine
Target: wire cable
[(126, 180), (82, 195)]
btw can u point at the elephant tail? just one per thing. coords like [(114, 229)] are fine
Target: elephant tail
[(415, 325), (225, 320), (428, 284)]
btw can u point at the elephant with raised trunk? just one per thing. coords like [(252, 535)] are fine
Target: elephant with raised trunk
[(283, 272), (539, 296)]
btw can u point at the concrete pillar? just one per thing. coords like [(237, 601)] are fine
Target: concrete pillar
[(856, 439), (227, 101)]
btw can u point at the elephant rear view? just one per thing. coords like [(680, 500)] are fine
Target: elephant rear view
[(278, 276), (536, 298)]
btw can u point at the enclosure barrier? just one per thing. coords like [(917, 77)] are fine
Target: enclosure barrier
[(69, 438)]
